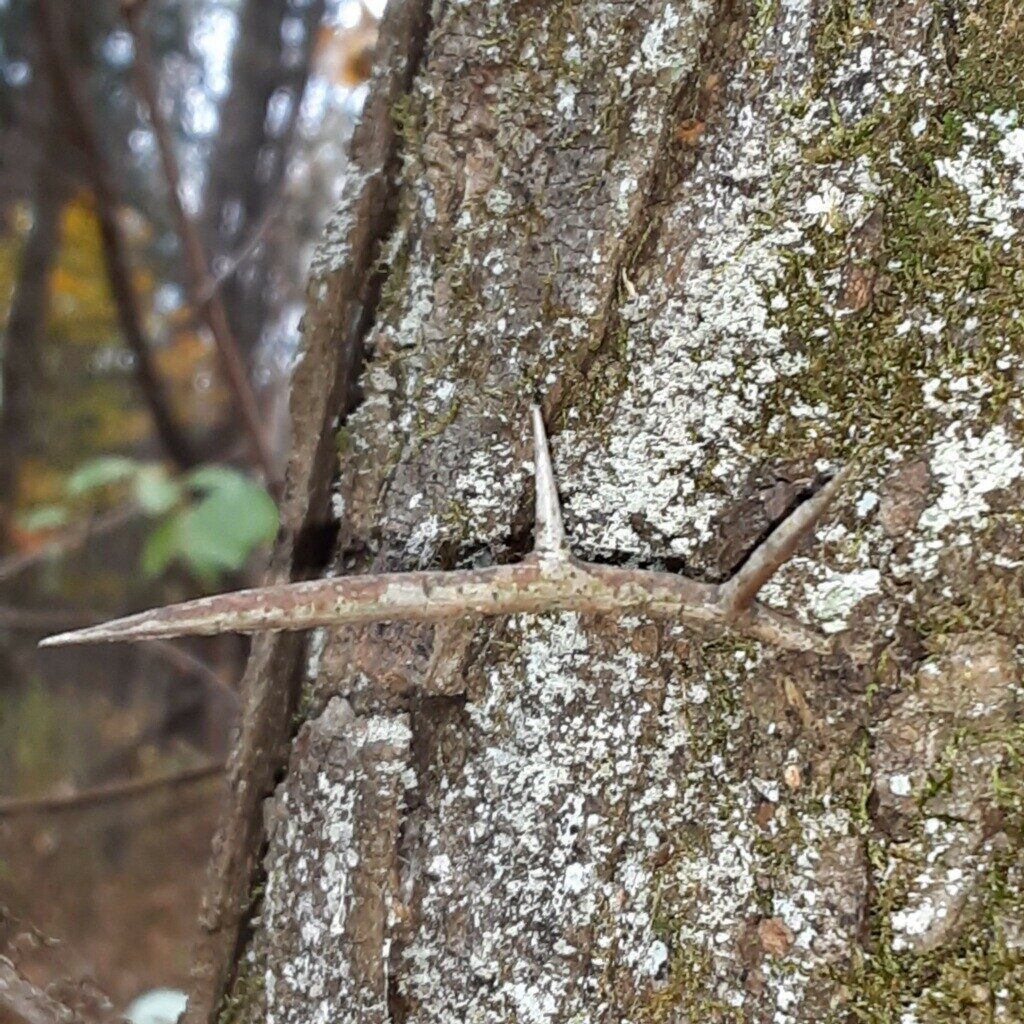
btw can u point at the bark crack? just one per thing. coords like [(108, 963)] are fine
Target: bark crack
[(643, 229)]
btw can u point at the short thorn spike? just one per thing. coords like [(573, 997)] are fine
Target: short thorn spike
[(740, 591), (550, 533)]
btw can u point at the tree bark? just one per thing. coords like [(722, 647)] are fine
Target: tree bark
[(726, 245)]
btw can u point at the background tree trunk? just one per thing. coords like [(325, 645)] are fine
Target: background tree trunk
[(269, 71), (727, 245), (20, 355)]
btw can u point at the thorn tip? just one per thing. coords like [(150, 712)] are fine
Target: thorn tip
[(778, 548)]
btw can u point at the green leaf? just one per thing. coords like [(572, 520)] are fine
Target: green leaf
[(216, 533), (155, 492), (162, 547), (43, 517), (224, 528), (214, 478), (101, 472)]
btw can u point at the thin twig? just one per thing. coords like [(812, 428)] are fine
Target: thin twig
[(33, 620), (206, 301), (187, 662), (230, 264), (115, 248), (70, 540), (550, 579), (75, 536), (112, 792)]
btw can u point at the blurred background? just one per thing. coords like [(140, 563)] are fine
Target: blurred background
[(166, 168)]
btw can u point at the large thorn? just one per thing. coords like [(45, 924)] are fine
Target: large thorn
[(549, 538), (526, 587), (738, 594), (343, 600)]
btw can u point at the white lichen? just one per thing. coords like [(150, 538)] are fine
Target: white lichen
[(968, 468)]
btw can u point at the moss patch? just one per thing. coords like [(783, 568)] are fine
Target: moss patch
[(245, 1000), (978, 977), (919, 293)]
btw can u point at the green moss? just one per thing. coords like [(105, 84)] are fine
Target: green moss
[(433, 426), (457, 523), (834, 29), (762, 17), (342, 442), (958, 980), (308, 704), (961, 978), (397, 276), (993, 603), (683, 998), (869, 362), (407, 120), (930, 262), (243, 1002)]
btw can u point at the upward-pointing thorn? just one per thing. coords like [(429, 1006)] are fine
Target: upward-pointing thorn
[(549, 536)]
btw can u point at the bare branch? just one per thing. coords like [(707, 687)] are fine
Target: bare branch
[(205, 300), (188, 664), (231, 263), (70, 540), (539, 583), (111, 793), (36, 620)]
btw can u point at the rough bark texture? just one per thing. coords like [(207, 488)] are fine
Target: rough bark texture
[(726, 245)]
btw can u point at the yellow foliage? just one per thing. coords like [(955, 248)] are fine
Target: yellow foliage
[(81, 310), (39, 482), (15, 218), (87, 403), (189, 357), (345, 56)]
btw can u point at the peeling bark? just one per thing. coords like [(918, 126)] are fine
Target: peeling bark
[(725, 245)]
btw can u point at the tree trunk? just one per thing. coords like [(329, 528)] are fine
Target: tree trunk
[(268, 78), (20, 354), (727, 246)]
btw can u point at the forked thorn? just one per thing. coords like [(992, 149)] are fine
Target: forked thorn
[(529, 586)]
